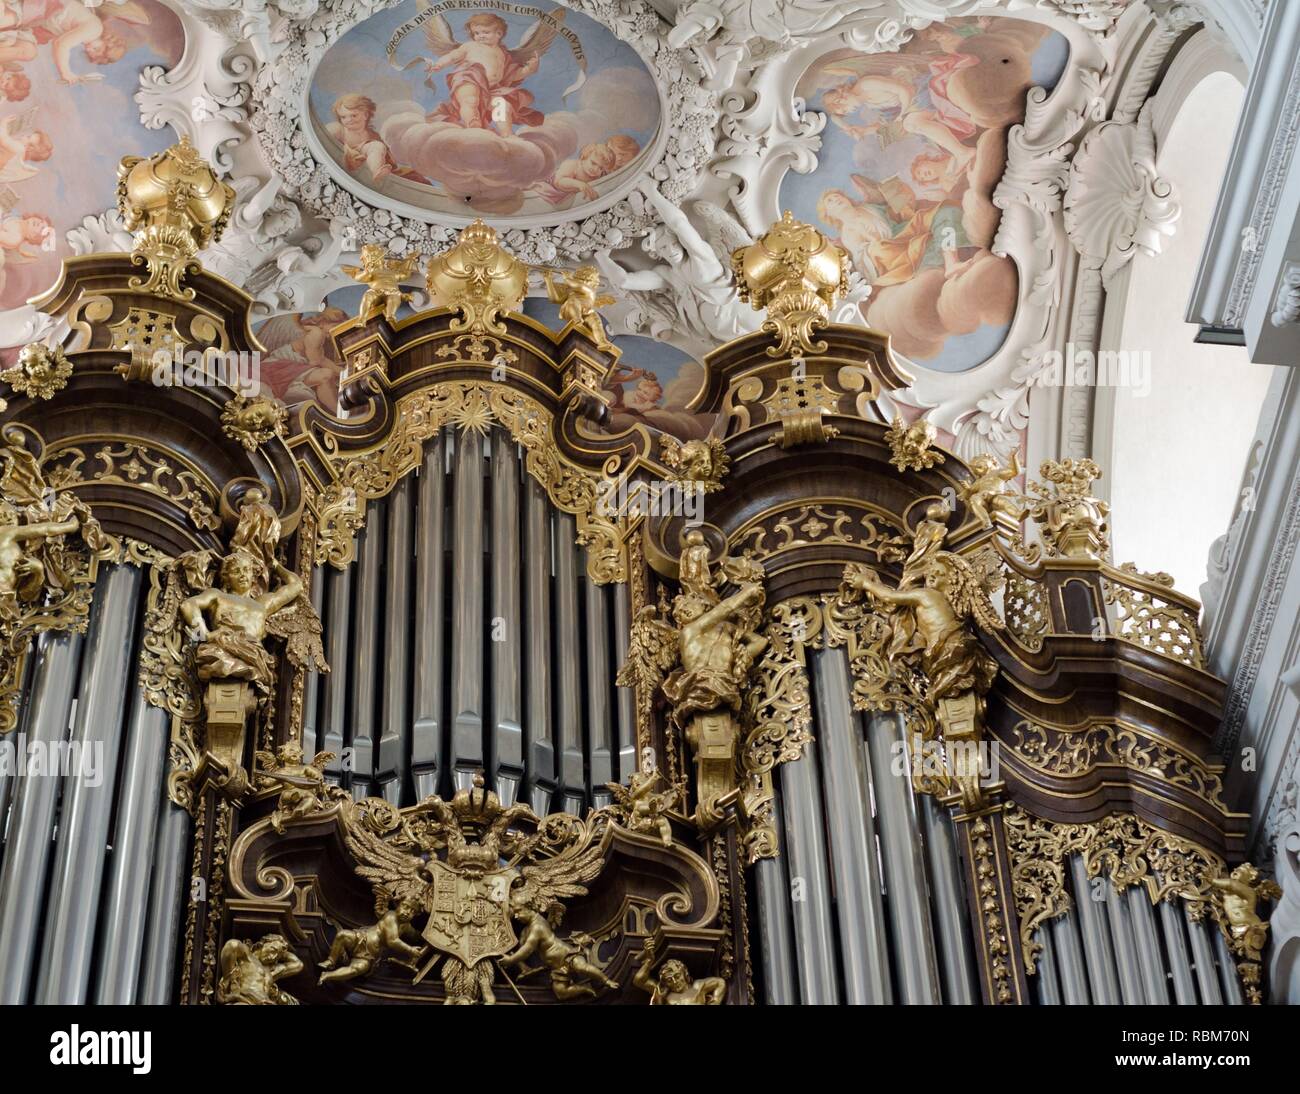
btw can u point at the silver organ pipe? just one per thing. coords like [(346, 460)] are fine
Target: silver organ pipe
[(468, 637), (93, 855)]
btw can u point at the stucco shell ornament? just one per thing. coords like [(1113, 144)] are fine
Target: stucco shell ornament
[(300, 105)]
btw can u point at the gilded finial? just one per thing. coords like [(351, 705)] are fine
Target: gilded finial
[(176, 206), (480, 277), (1073, 522), (797, 275)]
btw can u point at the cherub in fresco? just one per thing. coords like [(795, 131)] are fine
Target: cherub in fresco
[(886, 85), (353, 127), (21, 238), (595, 161), (15, 84), (25, 25), (300, 365), (484, 82), (19, 151)]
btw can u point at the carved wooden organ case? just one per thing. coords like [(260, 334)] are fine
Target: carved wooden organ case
[(458, 696)]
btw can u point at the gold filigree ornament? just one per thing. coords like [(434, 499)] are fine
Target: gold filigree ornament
[(253, 422), (470, 405), (50, 550), (438, 859), (911, 446), (796, 274), (42, 371), (382, 274), (175, 205), (481, 279)]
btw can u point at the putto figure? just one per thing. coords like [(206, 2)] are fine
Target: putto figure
[(578, 295), (356, 952), (485, 78), (382, 274), (251, 972), (674, 986)]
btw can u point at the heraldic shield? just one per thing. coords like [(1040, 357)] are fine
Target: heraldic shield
[(469, 917)]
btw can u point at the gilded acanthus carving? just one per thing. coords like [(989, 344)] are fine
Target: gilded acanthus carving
[(1129, 851), (176, 206), (796, 274), (46, 575), (469, 405), (1073, 522)]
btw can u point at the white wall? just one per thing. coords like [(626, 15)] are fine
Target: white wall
[(1179, 450)]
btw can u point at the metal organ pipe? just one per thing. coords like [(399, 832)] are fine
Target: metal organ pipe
[(568, 666), (537, 591), (864, 953), (506, 625), (430, 586), (86, 810), (391, 767), (467, 602), (27, 842), (366, 653)]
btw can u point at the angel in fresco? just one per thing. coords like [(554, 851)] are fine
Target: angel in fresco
[(25, 25), (485, 78), (595, 161), (886, 85), (353, 127), (18, 151), (22, 237), (300, 365)]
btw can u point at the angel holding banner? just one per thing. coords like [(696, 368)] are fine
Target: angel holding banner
[(486, 75)]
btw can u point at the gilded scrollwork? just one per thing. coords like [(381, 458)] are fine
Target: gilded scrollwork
[(141, 466), (1057, 751), (824, 524), (1164, 625), (50, 550), (476, 406)]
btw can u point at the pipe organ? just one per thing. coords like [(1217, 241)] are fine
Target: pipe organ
[(461, 696)]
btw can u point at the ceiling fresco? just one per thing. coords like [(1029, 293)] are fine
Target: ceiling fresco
[(68, 75), (914, 146), (936, 140), (505, 111)]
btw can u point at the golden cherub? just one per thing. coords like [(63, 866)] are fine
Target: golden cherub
[(22, 573), (910, 445), (985, 495), (644, 805), (1239, 894), (579, 298), (674, 986), (572, 975), (251, 972), (302, 783), (355, 953), (383, 275)]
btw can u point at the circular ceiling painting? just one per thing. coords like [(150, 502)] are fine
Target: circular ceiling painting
[(508, 111)]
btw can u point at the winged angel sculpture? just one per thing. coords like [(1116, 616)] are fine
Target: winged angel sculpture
[(46, 577), (211, 625), (473, 869)]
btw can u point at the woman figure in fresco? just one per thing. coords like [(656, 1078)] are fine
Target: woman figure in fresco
[(26, 25), (353, 127)]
